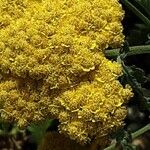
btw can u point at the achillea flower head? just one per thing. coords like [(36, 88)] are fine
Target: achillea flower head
[(57, 41), (52, 65), (93, 108)]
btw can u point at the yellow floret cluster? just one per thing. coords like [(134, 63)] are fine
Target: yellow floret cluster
[(52, 65)]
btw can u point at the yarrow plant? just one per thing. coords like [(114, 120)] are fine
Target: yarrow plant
[(52, 65)]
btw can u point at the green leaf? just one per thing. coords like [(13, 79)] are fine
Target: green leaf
[(4, 127), (126, 140), (146, 5), (136, 11), (39, 130), (139, 74), (138, 33), (135, 77), (143, 6)]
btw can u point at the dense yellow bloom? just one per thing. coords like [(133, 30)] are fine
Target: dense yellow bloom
[(52, 65), (93, 108), (56, 40)]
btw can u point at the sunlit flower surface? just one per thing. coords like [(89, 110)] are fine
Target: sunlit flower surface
[(52, 65)]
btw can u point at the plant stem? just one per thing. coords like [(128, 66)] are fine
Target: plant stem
[(134, 50), (140, 131), (134, 135), (136, 12)]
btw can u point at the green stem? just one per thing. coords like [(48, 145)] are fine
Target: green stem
[(136, 12), (140, 131), (135, 50), (134, 135)]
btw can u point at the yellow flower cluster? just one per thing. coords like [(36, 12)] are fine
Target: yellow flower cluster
[(94, 108), (56, 41), (52, 65)]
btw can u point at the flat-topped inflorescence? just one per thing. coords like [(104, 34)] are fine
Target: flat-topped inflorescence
[(52, 65)]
